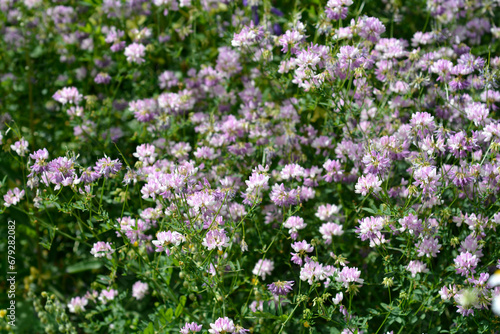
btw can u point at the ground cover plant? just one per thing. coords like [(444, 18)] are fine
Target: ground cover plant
[(218, 166)]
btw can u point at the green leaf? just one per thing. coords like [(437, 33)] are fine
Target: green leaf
[(180, 307), (150, 329), (373, 212), (83, 266)]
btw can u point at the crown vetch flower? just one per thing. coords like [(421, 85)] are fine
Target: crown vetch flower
[(20, 147), (165, 239), (68, 95), (280, 288), (107, 295), (367, 184), (466, 263), (263, 268), (216, 239), (135, 53), (222, 326), (106, 167), (301, 248), (190, 328), (139, 290), (415, 267), (349, 275), (328, 230), (77, 304), (294, 224), (13, 196), (101, 249)]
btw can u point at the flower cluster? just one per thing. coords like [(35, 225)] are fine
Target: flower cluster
[(233, 167)]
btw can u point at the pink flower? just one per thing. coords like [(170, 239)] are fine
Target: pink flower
[(263, 268), (416, 267), (13, 197), (222, 326), (466, 263), (301, 248), (367, 184), (216, 239), (328, 230), (165, 239), (139, 290), (101, 249), (135, 53), (107, 295), (428, 247), (68, 95), (20, 147), (349, 275), (77, 304), (190, 328), (293, 224)]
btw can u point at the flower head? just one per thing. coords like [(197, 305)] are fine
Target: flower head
[(77, 304), (101, 249), (280, 288)]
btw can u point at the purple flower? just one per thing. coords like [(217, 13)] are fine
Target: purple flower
[(222, 326), (263, 268), (367, 184), (135, 53), (291, 40), (168, 79), (328, 230), (248, 36), (477, 112), (415, 267), (422, 123), (313, 272), (281, 197), (442, 68), (216, 239), (190, 328), (146, 154), (428, 247), (13, 197), (20, 147), (292, 171), (107, 295), (101, 249), (300, 248), (102, 79), (412, 224), (459, 144), (165, 239), (40, 165), (68, 95), (370, 229), (349, 275), (77, 304), (334, 170), (139, 290), (280, 288), (106, 167), (144, 110), (293, 224), (428, 179), (326, 212), (466, 263), (376, 162), (370, 28), (337, 9)]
